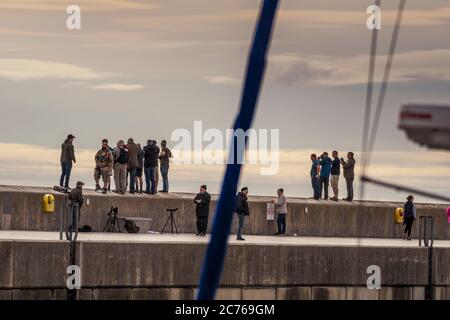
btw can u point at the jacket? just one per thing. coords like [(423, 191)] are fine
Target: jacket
[(67, 152), (280, 204), (409, 209), (104, 159), (76, 196), (349, 169), (133, 151), (151, 153), (336, 167), (242, 205), (202, 208), (164, 159)]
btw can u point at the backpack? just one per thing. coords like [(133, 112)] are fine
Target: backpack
[(131, 227), (123, 157)]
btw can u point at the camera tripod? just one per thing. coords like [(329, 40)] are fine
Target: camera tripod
[(112, 225), (171, 218)]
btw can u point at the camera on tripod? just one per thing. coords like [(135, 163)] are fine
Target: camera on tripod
[(171, 219)]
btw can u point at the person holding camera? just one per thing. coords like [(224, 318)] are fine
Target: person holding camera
[(202, 201), (103, 166), (324, 178), (120, 154), (349, 174), (164, 157), (66, 159)]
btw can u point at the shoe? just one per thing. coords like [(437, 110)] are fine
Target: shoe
[(241, 239), (147, 192), (318, 199), (334, 199), (277, 233), (405, 237), (325, 198), (97, 187), (202, 234), (409, 239), (197, 234), (132, 192), (105, 191)]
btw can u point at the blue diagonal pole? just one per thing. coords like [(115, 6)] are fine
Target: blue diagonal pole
[(217, 247)]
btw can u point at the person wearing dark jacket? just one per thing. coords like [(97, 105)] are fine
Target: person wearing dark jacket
[(76, 199), (66, 159), (151, 153), (202, 201), (410, 214), (133, 163), (349, 174), (335, 172), (140, 169), (242, 210)]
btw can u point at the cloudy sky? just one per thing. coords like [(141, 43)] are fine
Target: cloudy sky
[(145, 68)]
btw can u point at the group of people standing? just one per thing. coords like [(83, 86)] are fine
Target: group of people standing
[(325, 170), (241, 209), (127, 163)]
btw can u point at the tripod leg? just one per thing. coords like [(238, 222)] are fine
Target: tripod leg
[(167, 221), (175, 224), (171, 223)]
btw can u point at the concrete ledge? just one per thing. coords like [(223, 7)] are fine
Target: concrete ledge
[(20, 209)]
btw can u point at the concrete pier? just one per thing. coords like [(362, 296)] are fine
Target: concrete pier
[(130, 266), (328, 257)]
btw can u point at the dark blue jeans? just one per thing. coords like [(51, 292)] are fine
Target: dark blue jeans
[(66, 168), (349, 182), (149, 173), (133, 172), (281, 222), (316, 187), (165, 177), (241, 218)]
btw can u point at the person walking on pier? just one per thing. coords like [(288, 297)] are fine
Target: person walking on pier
[(66, 159), (133, 163), (120, 155), (349, 174), (281, 209), (164, 157), (315, 172), (242, 210), (151, 153), (410, 214), (202, 201), (324, 178), (103, 166), (335, 172), (140, 169)]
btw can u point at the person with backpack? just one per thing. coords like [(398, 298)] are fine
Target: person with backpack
[(409, 215), (202, 201), (242, 210), (120, 154)]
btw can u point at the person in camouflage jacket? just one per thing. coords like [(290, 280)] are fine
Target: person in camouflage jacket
[(103, 166)]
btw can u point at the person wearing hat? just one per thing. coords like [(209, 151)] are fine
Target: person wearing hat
[(66, 159), (202, 201), (76, 198)]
